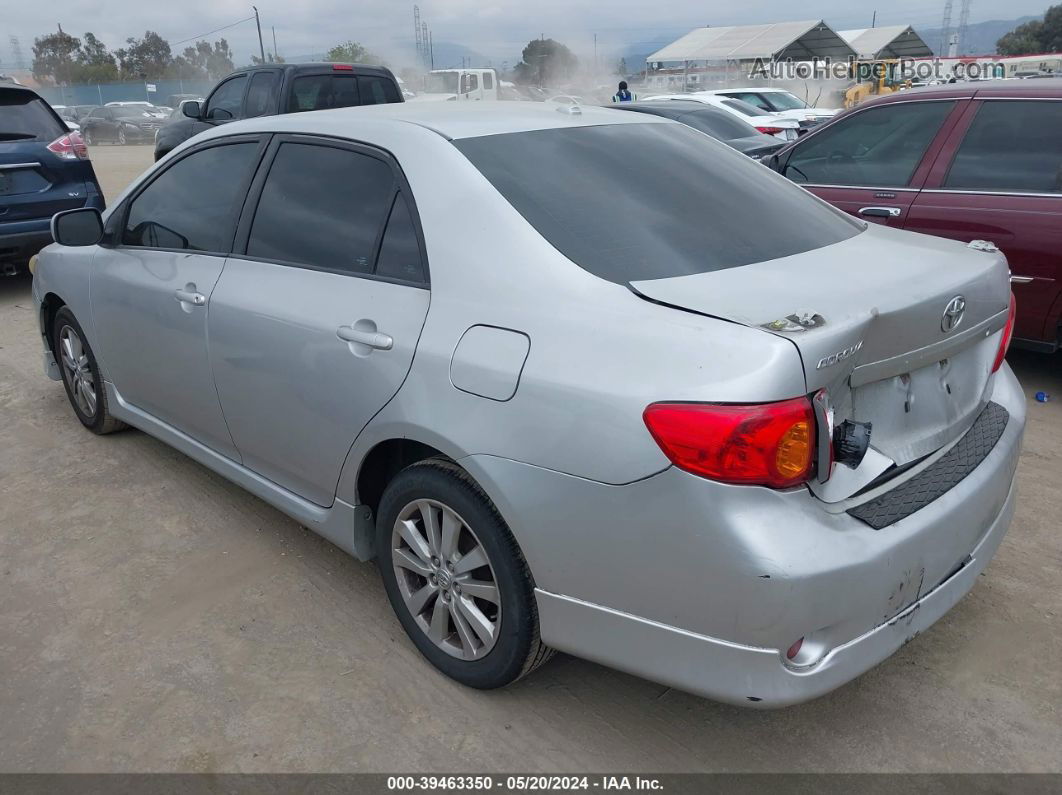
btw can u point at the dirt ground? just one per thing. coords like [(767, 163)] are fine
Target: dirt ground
[(154, 617)]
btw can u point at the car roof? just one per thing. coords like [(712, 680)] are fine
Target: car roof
[(752, 89), (1047, 87), (452, 120), (312, 66)]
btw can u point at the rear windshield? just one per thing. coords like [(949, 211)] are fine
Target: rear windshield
[(718, 124), (629, 202), (26, 117)]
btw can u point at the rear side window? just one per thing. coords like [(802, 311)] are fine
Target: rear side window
[(1011, 146), (878, 147), (378, 90), (743, 107), (176, 211), (322, 207), (400, 249), (260, 94), (224, 103), (25, 117), (488, 80), (323, 92), (630, 202)]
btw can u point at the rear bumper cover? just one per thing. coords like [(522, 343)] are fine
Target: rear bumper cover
[(747, 675), (703, 586)]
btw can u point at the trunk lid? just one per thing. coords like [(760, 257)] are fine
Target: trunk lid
[(867, 316)]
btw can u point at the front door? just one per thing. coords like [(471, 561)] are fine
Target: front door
[(868, 163), (1002, 181), (313, 327), (151, 291)]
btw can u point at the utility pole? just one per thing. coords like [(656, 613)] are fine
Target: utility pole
[(261, 46), (874, 20), (431, 51), (276, 58), (595, 53)]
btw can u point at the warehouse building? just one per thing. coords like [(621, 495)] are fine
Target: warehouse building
[(892, 41)]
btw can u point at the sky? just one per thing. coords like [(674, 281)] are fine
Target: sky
[(497, 29)]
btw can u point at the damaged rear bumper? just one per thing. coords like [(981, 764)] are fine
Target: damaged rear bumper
[(746, 675)]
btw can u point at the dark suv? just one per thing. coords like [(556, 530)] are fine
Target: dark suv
[(44, 168), (284, 88)]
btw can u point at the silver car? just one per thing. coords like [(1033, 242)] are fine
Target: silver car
[(576, 379)]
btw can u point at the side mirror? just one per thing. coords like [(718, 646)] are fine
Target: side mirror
[(191, 110), (80, 227)]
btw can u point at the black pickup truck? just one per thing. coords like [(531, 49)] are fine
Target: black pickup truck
[(280, 88)]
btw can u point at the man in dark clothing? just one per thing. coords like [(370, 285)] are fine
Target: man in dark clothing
[(623, 95)]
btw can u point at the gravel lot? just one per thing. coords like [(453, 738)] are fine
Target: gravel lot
[(154, 617)]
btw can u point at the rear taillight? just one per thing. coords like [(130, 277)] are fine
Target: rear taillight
[(767, 444), (69, 147), (771, 130), (1008, 332)]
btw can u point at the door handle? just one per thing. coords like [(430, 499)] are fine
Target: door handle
[(1020, 279), (190, 297), (373, 339), (881, 212)]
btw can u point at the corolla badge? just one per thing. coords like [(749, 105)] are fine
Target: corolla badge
[(840, 356), (953, 313)]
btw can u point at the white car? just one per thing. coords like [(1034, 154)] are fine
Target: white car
[(780, 102), (766, 123)]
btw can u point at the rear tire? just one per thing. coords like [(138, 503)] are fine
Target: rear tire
[(456, 578), (121, 137), (86, 136), (81, 374)]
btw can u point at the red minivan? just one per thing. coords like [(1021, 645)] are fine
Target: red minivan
[(969, 161)]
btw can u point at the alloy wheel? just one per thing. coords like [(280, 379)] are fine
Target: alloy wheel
[(78, 371), (121, 136), (446, 579)]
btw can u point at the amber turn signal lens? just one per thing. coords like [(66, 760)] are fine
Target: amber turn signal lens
[(793, 456)]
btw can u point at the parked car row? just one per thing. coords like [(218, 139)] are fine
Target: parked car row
[(646, 356)]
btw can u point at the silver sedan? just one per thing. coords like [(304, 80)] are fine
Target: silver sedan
[(576, 379)]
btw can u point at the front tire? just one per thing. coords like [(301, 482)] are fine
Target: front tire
[(456, 578), (121, 136), (86, 136), (81, 374)]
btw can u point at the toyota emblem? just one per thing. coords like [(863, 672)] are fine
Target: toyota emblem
[(953, 313)]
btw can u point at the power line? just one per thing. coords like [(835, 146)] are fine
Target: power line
[(212, 32)]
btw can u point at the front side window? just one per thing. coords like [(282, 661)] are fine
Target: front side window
[(261, 92), (323, 92), (193, 204), (323, 208), (471, 84), (783, 100), (878, 147), (378, 90), (630, 202), (224, 103), (1011, 146)]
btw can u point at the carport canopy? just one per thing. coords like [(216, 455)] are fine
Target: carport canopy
[(892, 41), (800, 41)]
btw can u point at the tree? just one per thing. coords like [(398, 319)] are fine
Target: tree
[(1033, 37), (95, 64), (351, 52), (204, 60), (55, 57), (545, 62), (270, 58), (145, 58)]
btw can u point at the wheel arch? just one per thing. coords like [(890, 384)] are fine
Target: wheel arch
[(51, 303)]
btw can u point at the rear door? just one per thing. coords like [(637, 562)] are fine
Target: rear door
[(871, 163), (314, 324), (1000, 179), (34, 182)]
